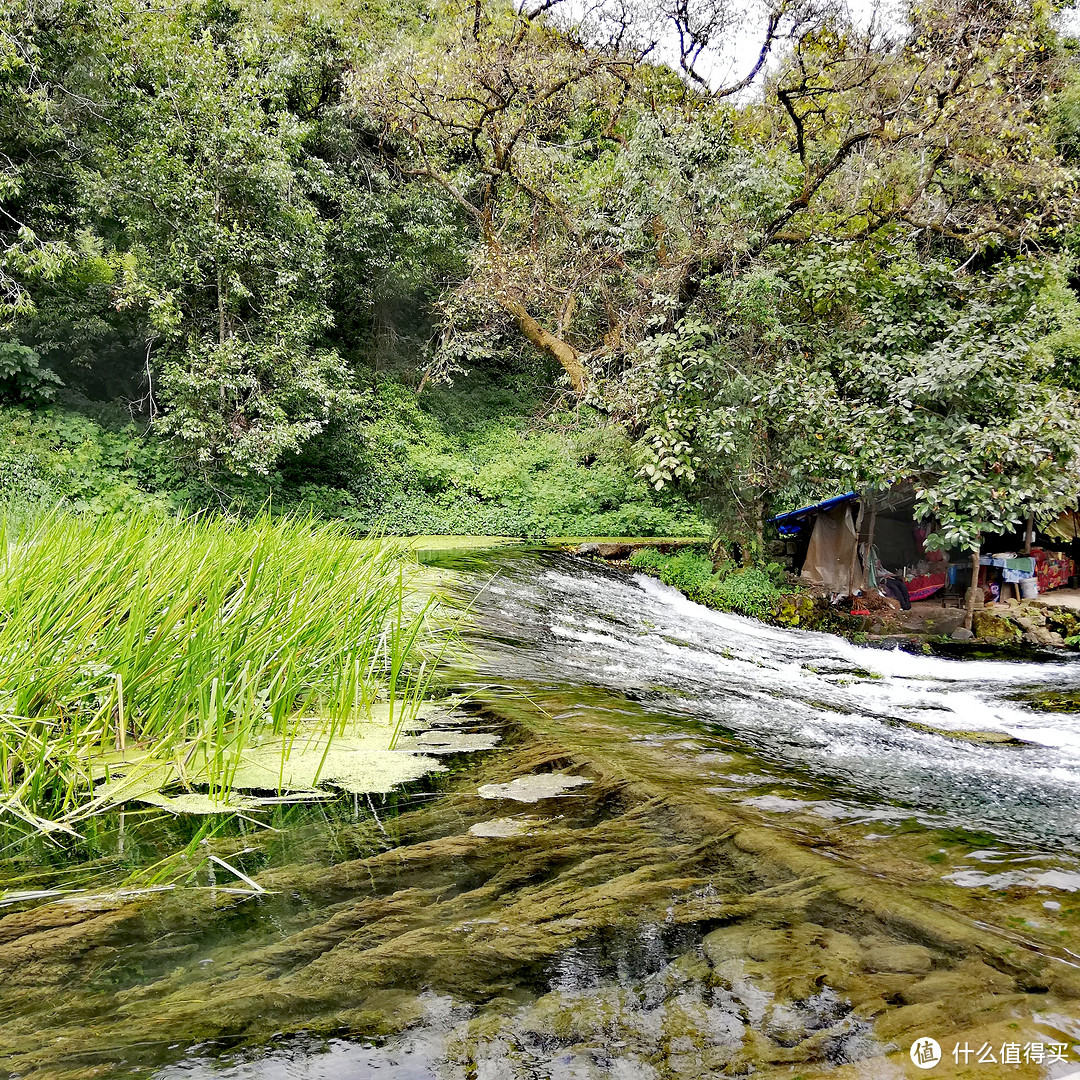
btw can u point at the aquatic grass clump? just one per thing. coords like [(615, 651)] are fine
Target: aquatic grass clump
[(182, 641)]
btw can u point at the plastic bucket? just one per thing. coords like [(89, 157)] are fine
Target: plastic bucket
[(1029, 588)]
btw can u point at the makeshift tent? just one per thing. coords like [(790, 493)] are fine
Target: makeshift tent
[(821, 538), (1066, 527), (832, 549)]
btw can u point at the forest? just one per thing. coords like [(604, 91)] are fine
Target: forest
[(477, 268)]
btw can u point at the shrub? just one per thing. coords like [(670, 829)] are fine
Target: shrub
[(482, 458), (486, 456), (22, 378), (750, 591), (56, 454)]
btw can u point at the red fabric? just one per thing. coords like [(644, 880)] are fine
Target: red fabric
[(925, 581), (924, 594), (1052, 568), (923, 585)]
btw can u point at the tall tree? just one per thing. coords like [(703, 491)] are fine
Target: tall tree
[(187, 203), (544, 139)]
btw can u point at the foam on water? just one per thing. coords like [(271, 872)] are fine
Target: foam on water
[(877, 723)]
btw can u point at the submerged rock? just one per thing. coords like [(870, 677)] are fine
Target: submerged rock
[(649, 931), (530, 789), (885, 957)]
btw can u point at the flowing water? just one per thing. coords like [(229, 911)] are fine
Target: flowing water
[(876, 727), (702, 847)]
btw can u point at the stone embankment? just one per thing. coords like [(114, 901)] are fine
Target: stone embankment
[(1039, 624), (618, 550)]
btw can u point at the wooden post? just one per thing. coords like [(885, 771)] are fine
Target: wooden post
[(855, 553), (1029, 535), (969, 612)]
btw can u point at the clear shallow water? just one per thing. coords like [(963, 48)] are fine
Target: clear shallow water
[(768, 816)]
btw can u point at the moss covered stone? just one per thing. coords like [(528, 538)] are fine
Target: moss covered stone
[(990, 627), (796, 609)]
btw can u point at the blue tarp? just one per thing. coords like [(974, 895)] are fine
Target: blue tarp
[(789, 519)]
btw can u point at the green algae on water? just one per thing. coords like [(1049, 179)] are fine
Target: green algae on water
[(314, 760)]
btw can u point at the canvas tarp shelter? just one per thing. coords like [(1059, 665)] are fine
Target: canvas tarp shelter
[(832, 548), (1066, 527)]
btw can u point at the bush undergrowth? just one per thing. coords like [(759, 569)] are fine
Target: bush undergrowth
[(494, 454), (751, 591), (490, 455)]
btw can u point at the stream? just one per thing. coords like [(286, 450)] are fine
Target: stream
[(868, 726), (702, 846)]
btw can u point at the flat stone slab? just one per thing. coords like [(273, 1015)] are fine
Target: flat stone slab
[(501, 828), (530, 789)]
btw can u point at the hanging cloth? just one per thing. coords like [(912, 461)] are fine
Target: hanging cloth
[(832, 546)]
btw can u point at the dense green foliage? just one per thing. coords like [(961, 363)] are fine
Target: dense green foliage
[(467, 268), (869, 367), (487, 457), (210, 205), (101, 464), (482, 457)]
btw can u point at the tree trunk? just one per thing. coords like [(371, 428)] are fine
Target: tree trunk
[(221, 310), (969, 612), (546, 342), (1029, 534)]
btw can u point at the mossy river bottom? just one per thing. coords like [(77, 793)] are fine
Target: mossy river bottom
[(701, 847)]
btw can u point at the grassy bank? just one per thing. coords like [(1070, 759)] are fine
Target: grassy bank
[(176, 645), (754, 591)]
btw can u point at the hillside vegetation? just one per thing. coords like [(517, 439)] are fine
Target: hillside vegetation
[(488, 269)]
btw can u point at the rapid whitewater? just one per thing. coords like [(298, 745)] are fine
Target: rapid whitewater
[(880, 732)]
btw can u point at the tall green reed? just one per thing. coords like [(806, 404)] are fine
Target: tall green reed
[(187, 639)]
